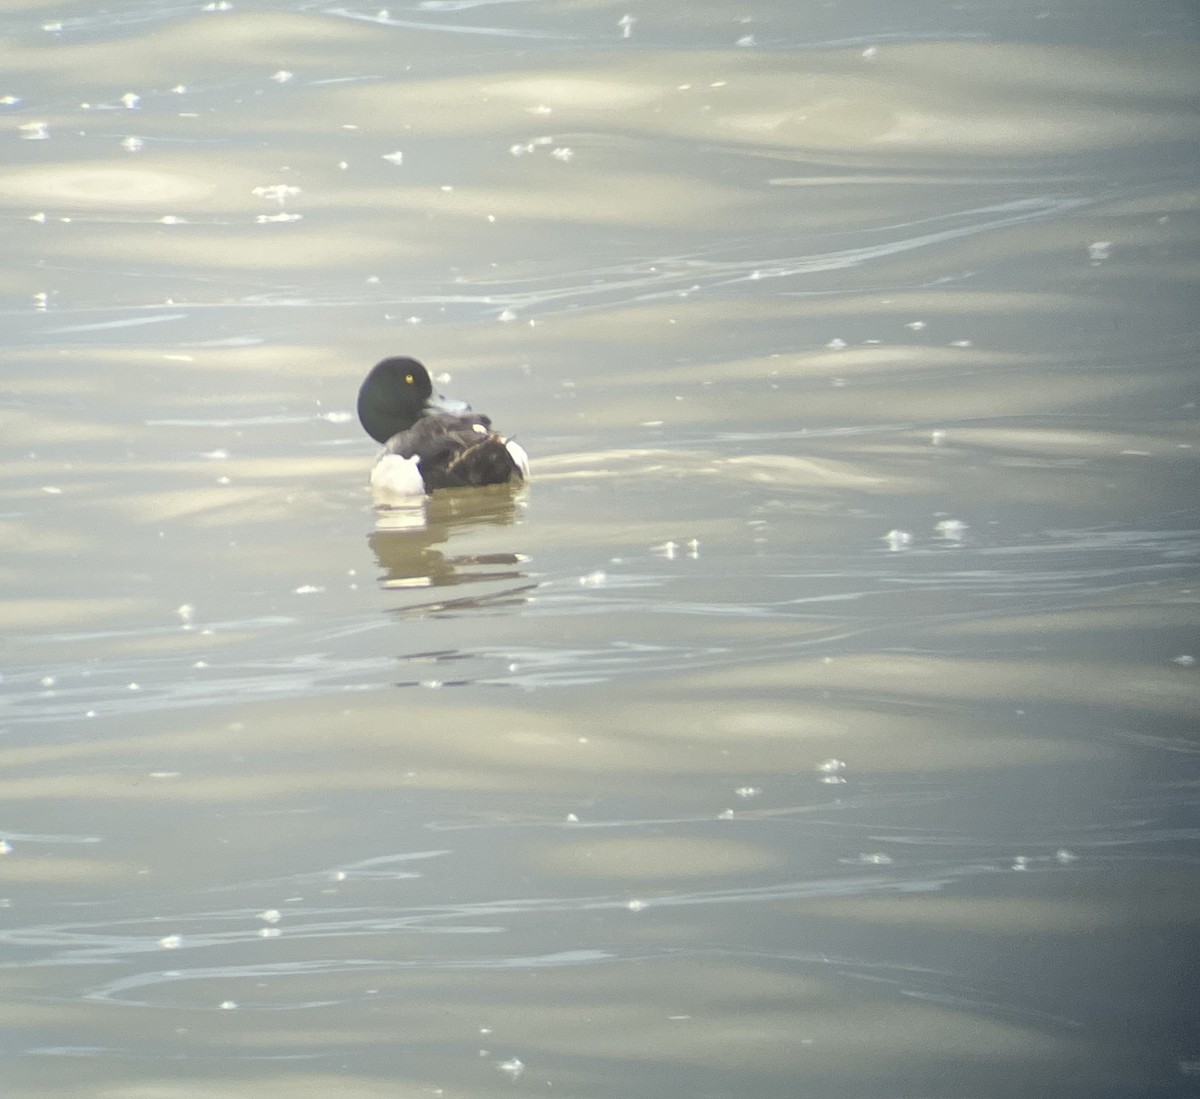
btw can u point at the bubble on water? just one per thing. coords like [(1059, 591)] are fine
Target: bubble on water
[(9, 100), (960, 343), (228, 1005), (38, 217), (870, 53), (831, 767), (171, 942), (748, 791), (937, 437), (916, 326), (725, 814), (276, 192), (34, 131), (836, 344), (307, 589), (132, 144), (572, 818), (511, 1068), (1184, 660), (595, 579), (563, 153), (507, 316), (898, 540), (393, 158), (1064, 856), (5, 847), (952, 530), (271, 915), (626, 23), (282, 77), (130, 100), (1099, 250), (666, 549), (875, 858), (636, 905), (1021, 862), (746, 41), (269, 932)]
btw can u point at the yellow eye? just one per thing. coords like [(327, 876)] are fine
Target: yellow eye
[(408, 378)]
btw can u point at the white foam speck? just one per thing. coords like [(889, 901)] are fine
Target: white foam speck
[(276, 192), (511, 1068), (952, 530)]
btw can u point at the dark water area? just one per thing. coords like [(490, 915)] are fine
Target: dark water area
[(821, 720)]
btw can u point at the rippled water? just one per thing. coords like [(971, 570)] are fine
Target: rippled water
[(821, 720)]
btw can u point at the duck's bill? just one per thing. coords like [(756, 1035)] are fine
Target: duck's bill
[(438, 403)]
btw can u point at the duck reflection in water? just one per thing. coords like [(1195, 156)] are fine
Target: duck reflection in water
[(405, 540)]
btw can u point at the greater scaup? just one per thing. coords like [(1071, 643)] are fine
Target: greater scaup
[(430, 442)]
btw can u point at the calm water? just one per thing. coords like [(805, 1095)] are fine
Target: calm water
[(822, 719)]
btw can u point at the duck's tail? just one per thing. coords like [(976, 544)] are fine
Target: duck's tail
[(491, 461)]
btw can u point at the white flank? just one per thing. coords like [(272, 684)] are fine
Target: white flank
[(396, 478), (519, 456)]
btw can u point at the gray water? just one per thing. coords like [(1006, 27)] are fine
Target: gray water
[(821, 719)]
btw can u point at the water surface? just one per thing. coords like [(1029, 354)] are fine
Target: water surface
[(820, 721)]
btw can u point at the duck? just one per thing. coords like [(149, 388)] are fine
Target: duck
[(430, 442)]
